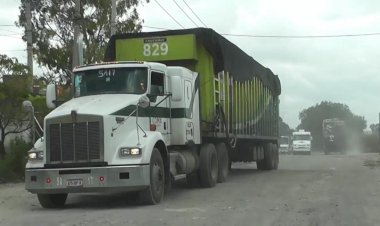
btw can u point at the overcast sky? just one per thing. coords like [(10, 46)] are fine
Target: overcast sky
[(345, 69)]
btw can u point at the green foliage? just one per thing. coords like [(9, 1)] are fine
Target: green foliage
[(11, 66), (312, 117), (12, 167), (53, 21), (13, 91), (40, 107)]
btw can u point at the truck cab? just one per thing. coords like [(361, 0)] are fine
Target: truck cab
[(284, 145), (301, 142)]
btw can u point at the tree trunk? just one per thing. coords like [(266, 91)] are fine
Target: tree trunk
[(2, 149)]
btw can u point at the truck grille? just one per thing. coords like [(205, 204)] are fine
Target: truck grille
[(75, 142)]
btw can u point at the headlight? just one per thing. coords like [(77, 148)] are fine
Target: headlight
[(34, 154), (124, 152)]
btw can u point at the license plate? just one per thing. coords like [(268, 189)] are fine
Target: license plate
[(74, 183)]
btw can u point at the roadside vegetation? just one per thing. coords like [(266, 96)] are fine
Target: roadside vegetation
[(12, 166)]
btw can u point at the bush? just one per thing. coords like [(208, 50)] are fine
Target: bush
[(12, 167)]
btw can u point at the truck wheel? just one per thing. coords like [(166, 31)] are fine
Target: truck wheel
[(52, 200), (155, 192), (208, 165), (275, 155), (223, 162), (269, 158), (260, 165)]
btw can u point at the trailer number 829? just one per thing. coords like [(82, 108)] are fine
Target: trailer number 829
[(156, 49)]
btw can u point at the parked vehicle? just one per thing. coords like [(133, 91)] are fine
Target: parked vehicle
[(301, 142), (284, 145), (179, 102)]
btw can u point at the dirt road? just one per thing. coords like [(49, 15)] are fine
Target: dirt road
[(306, 190)]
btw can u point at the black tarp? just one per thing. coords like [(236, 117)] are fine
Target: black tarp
[(227, 56)]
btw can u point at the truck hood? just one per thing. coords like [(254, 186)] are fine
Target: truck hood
[(104, 104)]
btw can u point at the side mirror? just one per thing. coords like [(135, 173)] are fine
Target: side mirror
[(51, 96), (143, 101), (177, 88)]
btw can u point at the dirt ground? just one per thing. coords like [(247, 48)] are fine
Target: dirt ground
[(306, 190)]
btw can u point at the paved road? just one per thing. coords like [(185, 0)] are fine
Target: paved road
[(306, 190)]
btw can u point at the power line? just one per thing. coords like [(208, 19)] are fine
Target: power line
[(169, 14), (194, 13), (303, 36), (7, 25), (158, 28), (185, 13), (288, 36)]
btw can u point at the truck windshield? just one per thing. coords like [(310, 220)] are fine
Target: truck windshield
[(301, 137), (111, 81)]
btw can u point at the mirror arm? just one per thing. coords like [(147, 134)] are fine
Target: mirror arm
[(166, 97)]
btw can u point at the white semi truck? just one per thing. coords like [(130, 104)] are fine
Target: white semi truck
[(185, 102), (301, 142)]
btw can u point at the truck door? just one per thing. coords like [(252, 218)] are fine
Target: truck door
[(160, 112)]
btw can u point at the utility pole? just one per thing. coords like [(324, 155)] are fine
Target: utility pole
[(28, 33), (77, 18), (113, 17)]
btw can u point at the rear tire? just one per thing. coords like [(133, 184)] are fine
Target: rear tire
[(155, 192), (260, 165), (52, 200), (223, 162), (276, 156), (208, 166), (269, 158)]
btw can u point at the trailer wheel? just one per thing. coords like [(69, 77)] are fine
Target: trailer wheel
[(223, 162), (208, 165), (155, 192), (269, 159), (260, 165), (276, 156), (52, 200)]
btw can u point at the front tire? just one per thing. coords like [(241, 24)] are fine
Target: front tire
[(52, 200), (155, 192), (208, 166)]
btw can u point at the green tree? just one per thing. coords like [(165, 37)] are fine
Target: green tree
[(284, 128), (312, 117), (14, 88), (52, 23)]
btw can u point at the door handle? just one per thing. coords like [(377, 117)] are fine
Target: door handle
[(164, 125)]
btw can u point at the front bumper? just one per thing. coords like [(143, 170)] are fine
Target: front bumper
[(90, 179), (301, 151)]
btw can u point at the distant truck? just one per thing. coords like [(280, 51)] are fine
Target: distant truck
[(301, 142), (284, 144), (164, 105), (334, 135)]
